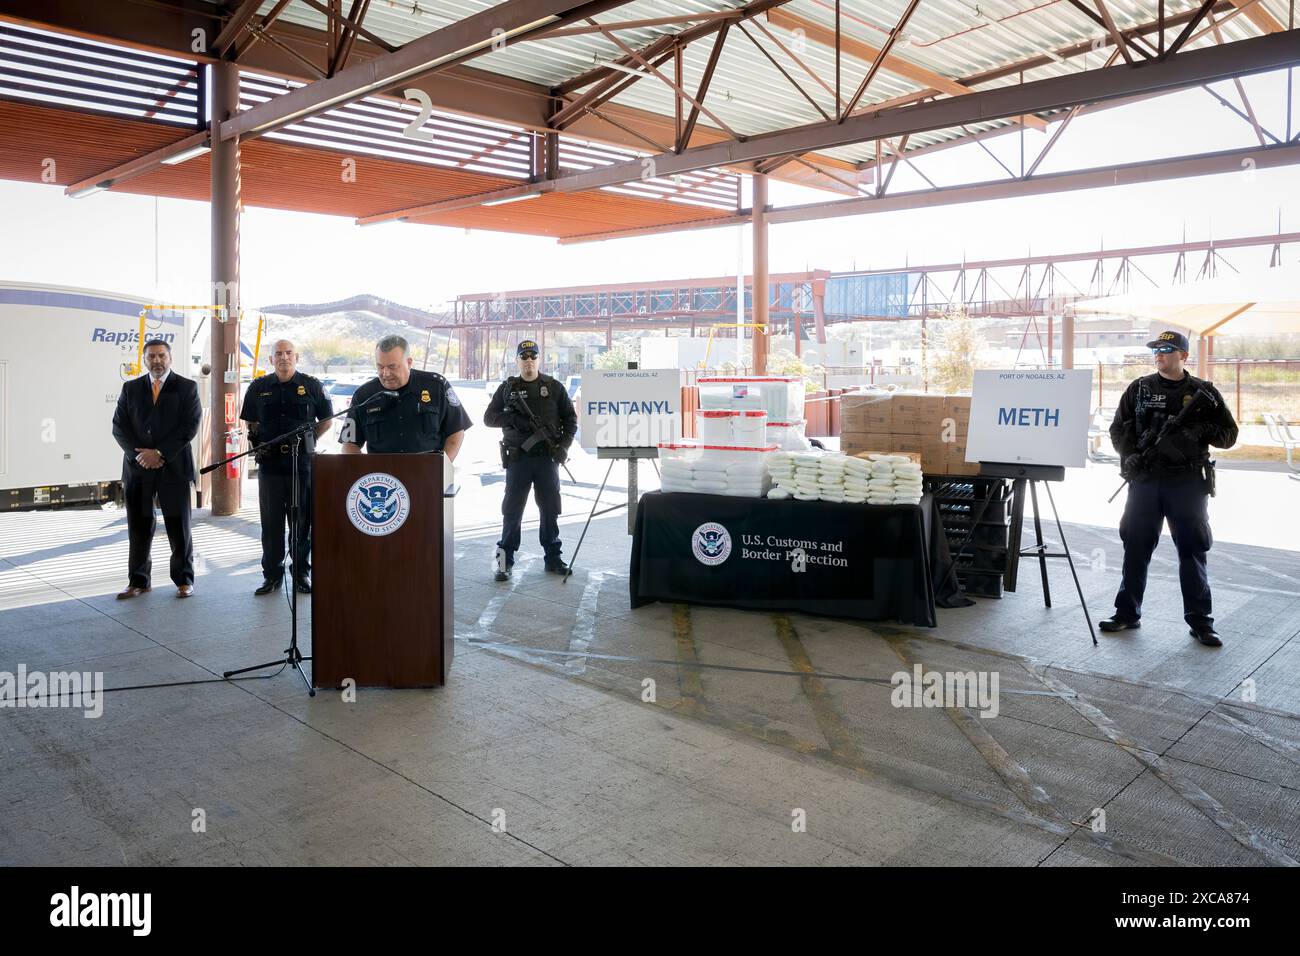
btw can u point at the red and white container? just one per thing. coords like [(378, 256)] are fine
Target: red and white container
[(749, 428), (715, 425), (787, 436), (781, 396)]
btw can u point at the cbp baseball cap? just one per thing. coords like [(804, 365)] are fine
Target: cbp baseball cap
[(1176, 339), (527, 347)]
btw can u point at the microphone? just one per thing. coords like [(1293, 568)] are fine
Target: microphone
[(391, 396)]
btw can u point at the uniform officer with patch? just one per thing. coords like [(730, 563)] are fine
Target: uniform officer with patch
[(275, 405), (1170, 479), (538, 423), (425, 416)]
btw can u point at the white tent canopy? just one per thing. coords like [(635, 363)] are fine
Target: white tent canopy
[(1254, 303)]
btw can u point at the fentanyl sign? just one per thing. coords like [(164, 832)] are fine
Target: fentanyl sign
[(1030, 417), (633, 408)]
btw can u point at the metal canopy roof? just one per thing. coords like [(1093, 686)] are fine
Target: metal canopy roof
[(576, 97), (956, 39)]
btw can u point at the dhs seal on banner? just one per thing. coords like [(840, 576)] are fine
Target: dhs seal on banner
[(378, 504), (711, 543)]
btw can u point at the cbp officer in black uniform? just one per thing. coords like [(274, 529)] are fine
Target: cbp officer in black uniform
[(273, 405), (1169, 480), (528, 459), (425, 416)]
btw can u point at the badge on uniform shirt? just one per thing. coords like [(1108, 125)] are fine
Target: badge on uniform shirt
[(543, 392), (302, 390), (1187, 400), (424, 395)]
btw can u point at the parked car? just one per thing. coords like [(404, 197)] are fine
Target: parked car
[(341, 393)]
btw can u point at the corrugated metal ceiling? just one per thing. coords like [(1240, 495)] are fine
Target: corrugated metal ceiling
[(953, 38)]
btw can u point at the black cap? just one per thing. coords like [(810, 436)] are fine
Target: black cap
[(527, 345), (1176, 339)]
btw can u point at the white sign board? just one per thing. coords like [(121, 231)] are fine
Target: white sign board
[(634, 408), (1030, 417)]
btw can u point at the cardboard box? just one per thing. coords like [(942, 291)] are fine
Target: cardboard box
[(868, 397), (917, 414), (955, 462), (875, 417), (957, 407), (886, 451), (934, 455), (852, 442), (908, 444)]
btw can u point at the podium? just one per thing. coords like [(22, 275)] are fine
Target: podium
[(382, 569)]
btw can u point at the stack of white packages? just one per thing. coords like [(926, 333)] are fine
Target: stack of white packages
[(706, 475), (894, 480), (857, 480), (818, 476), (814, 476), (796, 475)]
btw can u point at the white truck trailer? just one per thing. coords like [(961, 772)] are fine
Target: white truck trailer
[(64, 354)]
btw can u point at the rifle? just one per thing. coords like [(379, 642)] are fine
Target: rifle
[(541, 431), (1146, 456)]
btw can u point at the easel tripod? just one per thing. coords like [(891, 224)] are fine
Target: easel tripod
[(1027, 476), (633, 458)]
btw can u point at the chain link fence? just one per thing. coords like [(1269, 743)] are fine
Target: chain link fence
[(1250, 387)]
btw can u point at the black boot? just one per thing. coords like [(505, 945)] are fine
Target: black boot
[(1117, 623), (1206, 634), (556, 565), (503, 564), (268, 586)]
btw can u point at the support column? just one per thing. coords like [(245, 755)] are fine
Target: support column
[(819, 305), (1067, 339), (760, 292), (224, 212), (1203, 357)]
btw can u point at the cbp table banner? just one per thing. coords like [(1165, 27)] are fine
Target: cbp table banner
[(870, 562)]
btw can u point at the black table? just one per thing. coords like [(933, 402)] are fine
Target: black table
[(869, 562)]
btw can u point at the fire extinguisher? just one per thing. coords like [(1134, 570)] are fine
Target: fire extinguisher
[(232, 448)]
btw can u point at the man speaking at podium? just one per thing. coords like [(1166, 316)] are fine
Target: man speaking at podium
[(417, 412)]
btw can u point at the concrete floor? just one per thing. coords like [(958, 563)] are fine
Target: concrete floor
[(541, 749)]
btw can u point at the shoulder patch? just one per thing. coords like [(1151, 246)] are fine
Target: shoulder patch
[(452, 398)]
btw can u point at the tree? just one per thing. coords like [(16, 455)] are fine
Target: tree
[(784, 362), (617, 356), (956, 340)]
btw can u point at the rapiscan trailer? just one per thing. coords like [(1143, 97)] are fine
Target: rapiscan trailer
[(64, 354)]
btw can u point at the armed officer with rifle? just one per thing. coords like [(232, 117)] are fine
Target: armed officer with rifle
[(538, 423), (1162, 430)]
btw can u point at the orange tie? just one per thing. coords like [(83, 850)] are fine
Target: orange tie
[(156, 385)]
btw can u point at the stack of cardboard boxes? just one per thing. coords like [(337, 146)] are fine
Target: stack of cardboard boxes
[(933, 426)]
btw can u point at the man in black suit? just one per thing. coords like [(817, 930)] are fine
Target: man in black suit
[(157, 417)]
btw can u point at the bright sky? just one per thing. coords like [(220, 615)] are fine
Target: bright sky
[(107, 241)]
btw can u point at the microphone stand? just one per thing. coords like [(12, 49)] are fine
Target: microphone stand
[(293, 657)]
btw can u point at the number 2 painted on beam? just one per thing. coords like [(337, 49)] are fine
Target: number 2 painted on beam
[(426, 108)]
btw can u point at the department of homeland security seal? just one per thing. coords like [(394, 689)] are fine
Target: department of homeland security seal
[(378, 504), (711, 543)]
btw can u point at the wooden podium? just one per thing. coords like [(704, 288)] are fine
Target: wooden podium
[(382, 569)]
